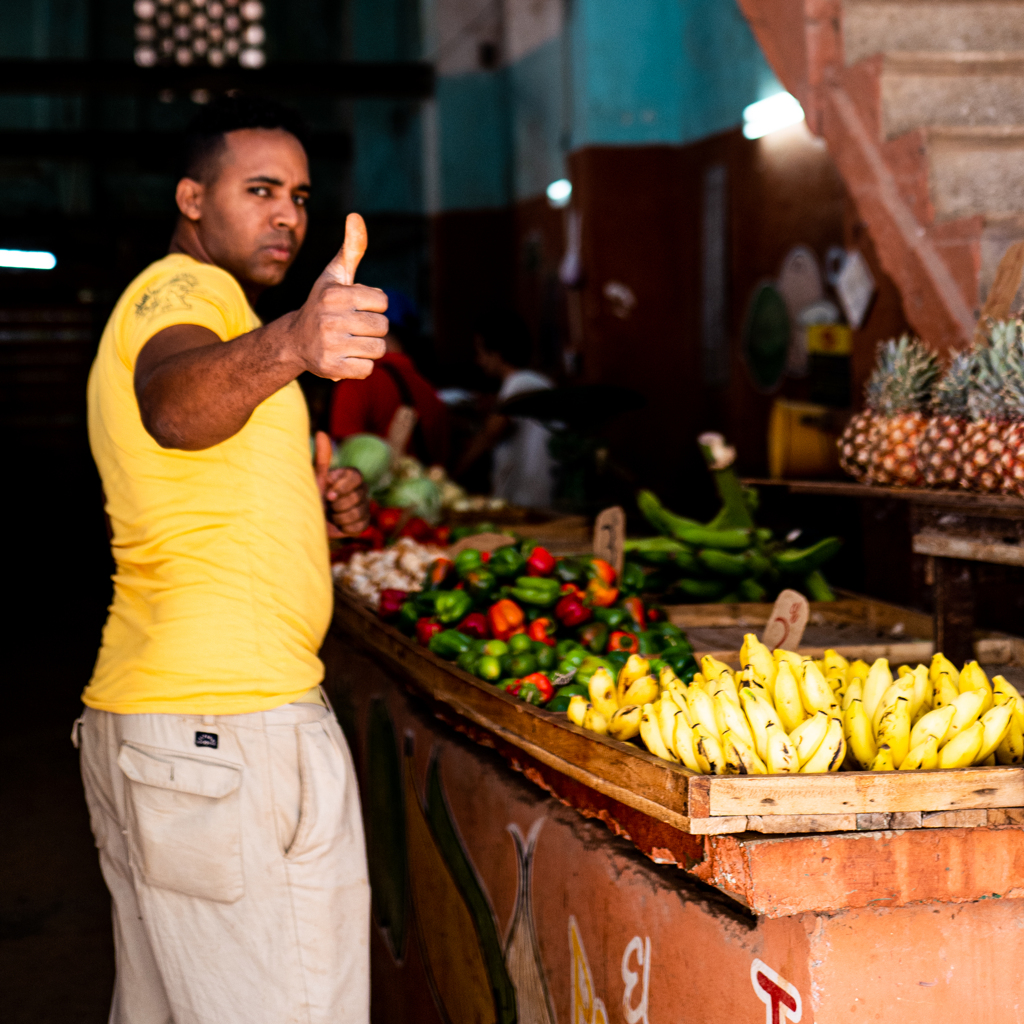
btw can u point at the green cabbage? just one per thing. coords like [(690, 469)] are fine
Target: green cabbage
[(420, 494), (368, 453)]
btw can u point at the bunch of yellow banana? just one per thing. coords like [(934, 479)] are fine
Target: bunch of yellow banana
[(785, 713), (930, 717)]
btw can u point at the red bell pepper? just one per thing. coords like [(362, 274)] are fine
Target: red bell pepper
[(485, 557), (540, 562), (387, 519), (475, 625), (571, 611), (543, 684), (373, 536), (505, 618), (418, 529), (391, 602), (571, 588), (542, 629), (600, 594), (627, 642), (425, 629), (442, 536), (654, 613), (602, 570), (635, 607)]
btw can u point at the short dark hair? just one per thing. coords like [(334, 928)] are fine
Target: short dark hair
[(204, 139), (504, 332)]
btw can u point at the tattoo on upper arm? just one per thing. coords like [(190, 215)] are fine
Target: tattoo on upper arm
[(168, 297)]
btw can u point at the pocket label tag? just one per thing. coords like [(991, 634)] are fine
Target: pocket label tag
[(206, 739)]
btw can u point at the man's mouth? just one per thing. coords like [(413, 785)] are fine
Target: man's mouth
[(279, 252)]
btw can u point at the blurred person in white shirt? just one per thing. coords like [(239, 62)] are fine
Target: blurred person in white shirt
[(522, 470)]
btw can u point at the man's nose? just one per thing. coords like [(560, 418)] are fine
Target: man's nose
[(285, 215)]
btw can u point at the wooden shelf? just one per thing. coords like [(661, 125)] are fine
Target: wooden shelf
[(997, 505), (668, 793)]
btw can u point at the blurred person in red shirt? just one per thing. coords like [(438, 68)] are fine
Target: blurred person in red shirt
[(368, 406)]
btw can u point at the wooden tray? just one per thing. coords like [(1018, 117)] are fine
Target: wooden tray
[(855, 626), (668, 793)]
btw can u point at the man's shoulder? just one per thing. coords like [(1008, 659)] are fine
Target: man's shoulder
[(173, 285)]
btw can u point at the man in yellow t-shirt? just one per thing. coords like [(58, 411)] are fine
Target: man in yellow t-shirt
[(220, 788)]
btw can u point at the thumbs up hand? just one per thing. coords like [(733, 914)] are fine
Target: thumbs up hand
[(339, 330)]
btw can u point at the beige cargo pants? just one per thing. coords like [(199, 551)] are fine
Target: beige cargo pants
[(233, 849)]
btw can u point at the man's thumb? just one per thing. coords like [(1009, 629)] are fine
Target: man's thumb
[(343, 267)]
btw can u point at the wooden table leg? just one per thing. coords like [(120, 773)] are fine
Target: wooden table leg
[(954, 609)]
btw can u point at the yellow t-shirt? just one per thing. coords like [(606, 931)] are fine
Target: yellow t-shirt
[(222, 594)]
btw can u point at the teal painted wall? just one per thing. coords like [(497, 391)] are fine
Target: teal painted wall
[(637, 72), (662, 71)]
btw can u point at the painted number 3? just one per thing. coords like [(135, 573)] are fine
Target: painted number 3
[(781, 999)]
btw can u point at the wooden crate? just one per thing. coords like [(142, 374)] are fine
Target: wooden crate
[(669, 793), (855, 626)]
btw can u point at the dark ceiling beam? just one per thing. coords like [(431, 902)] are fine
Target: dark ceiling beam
[(148, 149), (386, 79)]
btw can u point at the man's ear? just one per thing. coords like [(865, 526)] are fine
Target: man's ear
[(189, 197)]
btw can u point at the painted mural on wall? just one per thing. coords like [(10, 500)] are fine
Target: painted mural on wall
[(427, 890)]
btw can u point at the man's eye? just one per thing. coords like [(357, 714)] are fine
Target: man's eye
[(260, 190), (300, 200)]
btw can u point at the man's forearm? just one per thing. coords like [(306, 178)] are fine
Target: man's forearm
[(200, 391)]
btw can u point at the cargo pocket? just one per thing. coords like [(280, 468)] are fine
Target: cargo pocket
[(184, 822)]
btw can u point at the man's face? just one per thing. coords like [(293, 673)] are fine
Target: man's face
[(250, 212)]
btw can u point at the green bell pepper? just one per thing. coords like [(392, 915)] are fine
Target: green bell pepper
[(537, 590), (481, 584), (682, 663), (565, 647), (426, 602), (594, 636), (618, 660), (632, 579), (506, 562), (468, 660), (529, 693), (453, 606), (468, 561), (450, 643), (408, 616), (650, 643), (591, 665), (495, 648), (545, 655), (522, 665), (489, 668), (519, 643), (613, 618)]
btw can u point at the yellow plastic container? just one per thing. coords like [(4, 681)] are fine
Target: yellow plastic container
[(802, 441)]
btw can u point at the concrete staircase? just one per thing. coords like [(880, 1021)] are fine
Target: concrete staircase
[(922, 105)]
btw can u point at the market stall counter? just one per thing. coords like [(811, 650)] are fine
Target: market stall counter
[(524, 869)]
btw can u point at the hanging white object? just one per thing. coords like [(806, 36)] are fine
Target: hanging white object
[(855, 286), (800, 286)]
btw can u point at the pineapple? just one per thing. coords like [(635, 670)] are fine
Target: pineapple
[(1011, 460), (906, 386), (982, 446), (855, 445), (859, 437), (939, 453)]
